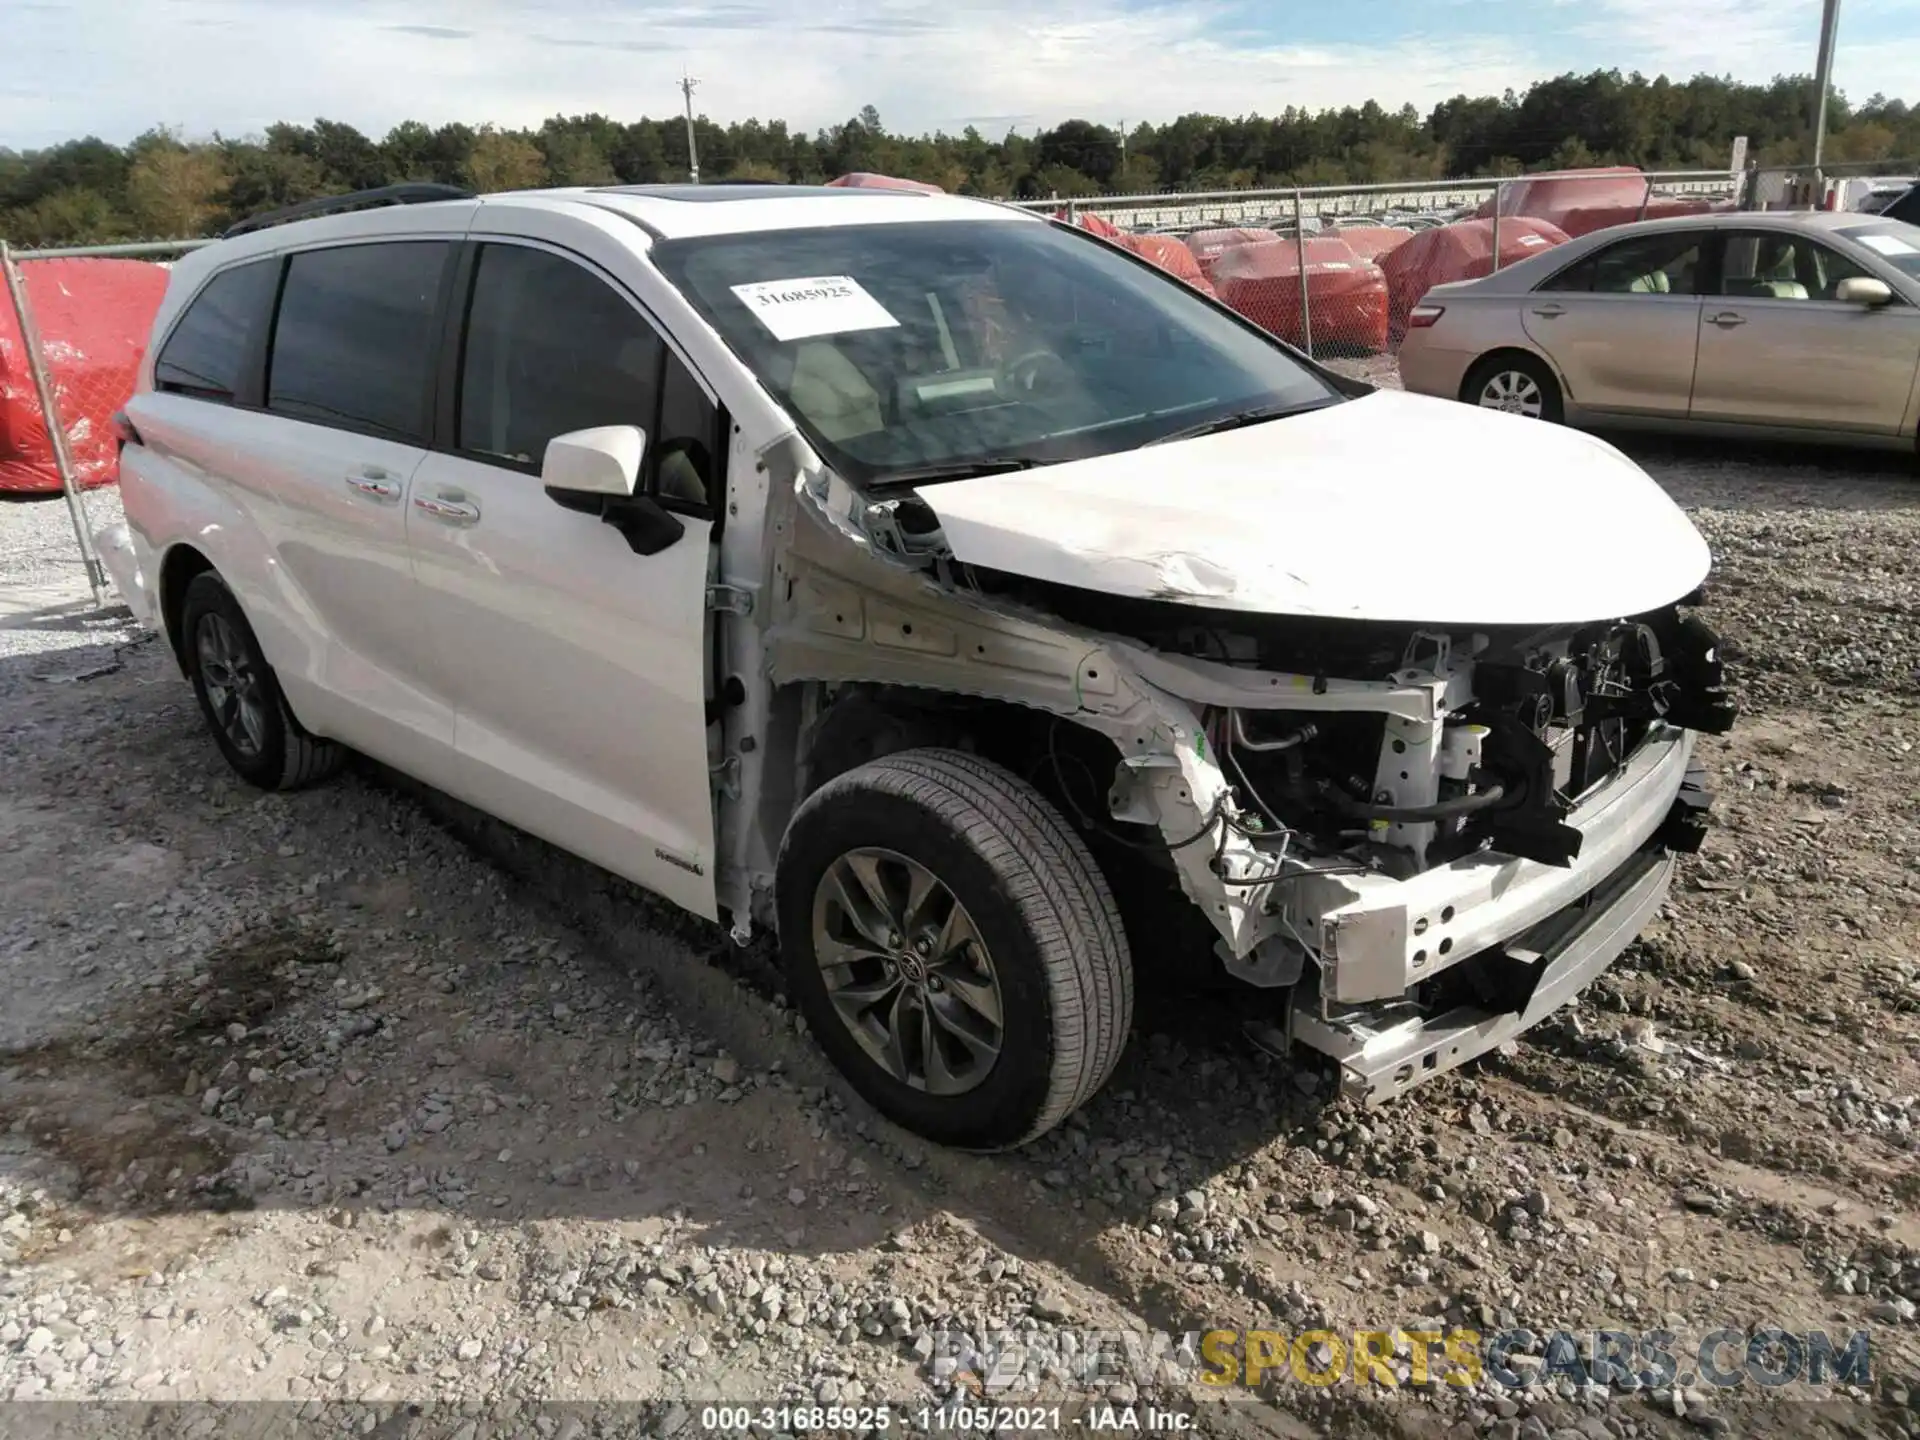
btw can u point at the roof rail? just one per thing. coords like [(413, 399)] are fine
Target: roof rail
[(411, 193)]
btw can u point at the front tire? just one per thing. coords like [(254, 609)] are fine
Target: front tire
[(1515, 384), (953, 947), (240, 696)]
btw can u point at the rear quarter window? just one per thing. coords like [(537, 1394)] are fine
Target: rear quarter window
[(208, 352)]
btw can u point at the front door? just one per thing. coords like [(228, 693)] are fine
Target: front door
[(1622, 325), (1778, 348), (576, 668)]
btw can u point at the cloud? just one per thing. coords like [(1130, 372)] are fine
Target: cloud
[(431, 32), (204, 65)]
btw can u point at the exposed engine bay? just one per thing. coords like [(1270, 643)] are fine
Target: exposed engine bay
[(1532, 721)]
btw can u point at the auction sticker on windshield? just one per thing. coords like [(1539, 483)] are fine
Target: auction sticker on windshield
[(817, 305)]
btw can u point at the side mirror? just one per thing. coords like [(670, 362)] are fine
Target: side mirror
[(596, 472), (1864, 290), (583, 467)]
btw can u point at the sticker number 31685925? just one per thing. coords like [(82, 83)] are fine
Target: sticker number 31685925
[(815, 305)]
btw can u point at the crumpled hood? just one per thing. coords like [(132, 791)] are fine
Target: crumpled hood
[(1389, 507)]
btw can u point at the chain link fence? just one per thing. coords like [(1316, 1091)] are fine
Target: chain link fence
[(72, 335), (1336, 270)]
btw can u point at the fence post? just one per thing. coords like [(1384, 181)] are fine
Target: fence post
[(1306, 303), (56, 431), (1499, 202), (1646, 199), (1073, 210)]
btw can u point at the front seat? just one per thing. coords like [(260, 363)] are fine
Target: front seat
[(829, 390)]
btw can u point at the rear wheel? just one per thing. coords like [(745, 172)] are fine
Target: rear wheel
[(240, 697), (954, 947), (1515, 384)]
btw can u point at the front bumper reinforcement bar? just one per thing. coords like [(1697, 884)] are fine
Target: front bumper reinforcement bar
[(1385, 1050)]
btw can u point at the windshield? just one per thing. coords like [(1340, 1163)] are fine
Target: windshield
[(1894, 242), (919, 350)]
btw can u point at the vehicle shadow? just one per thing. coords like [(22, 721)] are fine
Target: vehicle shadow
[(370, 996)]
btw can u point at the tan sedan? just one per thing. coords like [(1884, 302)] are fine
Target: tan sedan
[(1775, 325)]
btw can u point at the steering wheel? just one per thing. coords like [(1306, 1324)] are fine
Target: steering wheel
[(1036, 372)]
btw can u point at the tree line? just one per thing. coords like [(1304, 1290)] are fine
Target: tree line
[(163, 185)]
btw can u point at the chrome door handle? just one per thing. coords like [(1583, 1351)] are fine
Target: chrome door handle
[(453, 512), (375, 482), (1551, 312), (1726, 320)]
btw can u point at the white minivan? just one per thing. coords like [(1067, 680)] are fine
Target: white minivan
[(946, 588)]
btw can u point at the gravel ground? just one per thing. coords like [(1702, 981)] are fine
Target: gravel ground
[(351, 1096)]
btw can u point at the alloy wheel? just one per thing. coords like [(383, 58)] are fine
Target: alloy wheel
[(232, 685), (907, 971), (1513, 392)]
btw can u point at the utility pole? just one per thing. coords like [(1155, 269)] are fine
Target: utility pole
[(687, 82), (1823, 84)]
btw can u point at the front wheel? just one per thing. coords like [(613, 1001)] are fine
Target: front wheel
[(1515, 385), (954, 947)]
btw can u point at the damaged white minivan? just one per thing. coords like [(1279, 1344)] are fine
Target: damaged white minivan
[(947, 589)]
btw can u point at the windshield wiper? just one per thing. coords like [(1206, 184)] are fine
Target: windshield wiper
[(1239, 420), (955, 470)]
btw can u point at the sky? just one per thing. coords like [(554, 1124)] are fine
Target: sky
[(114, 68)]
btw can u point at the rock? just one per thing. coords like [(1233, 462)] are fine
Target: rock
[(1050, 1306), (1538, 1205), (1428, 1242), (726, 1070), (470, 1350), (1897, 1311), (1194, 1202), (796, 1196), (38, 1339), (1165, 1211)]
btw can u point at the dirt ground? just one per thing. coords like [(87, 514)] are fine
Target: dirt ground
[(350, 1096)]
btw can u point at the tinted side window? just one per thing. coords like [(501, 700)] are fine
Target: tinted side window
[(1906, 208), (687, 455), (354, 342), (551, 348), (208, 351)]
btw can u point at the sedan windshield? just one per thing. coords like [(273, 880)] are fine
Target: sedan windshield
[(1896, 243), (929, 351)]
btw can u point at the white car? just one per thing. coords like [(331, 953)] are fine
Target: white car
[(945, 588)]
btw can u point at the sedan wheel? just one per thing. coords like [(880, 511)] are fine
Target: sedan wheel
[(1513, 393), (1515, 384)]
